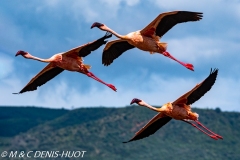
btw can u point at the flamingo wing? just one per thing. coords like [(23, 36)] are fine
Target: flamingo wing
[(86, 49), (113, 50), (165, 21), (151, 127), (199, 90), (49, 72)]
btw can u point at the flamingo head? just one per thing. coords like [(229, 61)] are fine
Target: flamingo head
[(98, 25), (137, 101), (23, 53)]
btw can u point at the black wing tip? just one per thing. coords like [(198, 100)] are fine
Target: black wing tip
[(16, 93), (107, 35), (105, 64), (197, 15), (128, 141), (212, 71)]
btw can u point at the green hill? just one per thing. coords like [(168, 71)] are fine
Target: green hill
[(101, 131), (14, 120)]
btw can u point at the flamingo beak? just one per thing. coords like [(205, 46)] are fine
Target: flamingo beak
[(135, 100), (96, 24), (20, 52)]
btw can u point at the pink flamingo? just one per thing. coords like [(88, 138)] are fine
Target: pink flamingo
[(148, 38), (70, 60), (180, 109)]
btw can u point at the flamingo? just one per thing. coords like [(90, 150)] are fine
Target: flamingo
[(147, 39), (70, 60), (180, 109)]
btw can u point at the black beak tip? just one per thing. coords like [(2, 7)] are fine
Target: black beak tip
[(133, 101)]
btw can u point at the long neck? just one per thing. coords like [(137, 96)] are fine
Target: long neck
[(42, 60), (151, 107), (114, 33), (29, 56)]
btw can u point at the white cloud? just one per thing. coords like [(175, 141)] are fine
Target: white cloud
[(194, 5), (6, 66), (117, 2), (90, 10), (157, 90), (194, 48), (212, 40), (10, 34)]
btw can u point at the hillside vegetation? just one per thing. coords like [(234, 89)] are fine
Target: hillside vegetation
[(101, 131)]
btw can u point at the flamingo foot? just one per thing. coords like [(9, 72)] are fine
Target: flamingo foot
[(90, 74), (112, 87), (216, 135), (213, 137), (189, 66), (219, 136)]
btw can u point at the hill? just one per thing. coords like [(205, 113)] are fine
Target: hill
[(15, 120), (100, 132)]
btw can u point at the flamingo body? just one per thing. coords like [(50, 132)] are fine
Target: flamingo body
[(145, 43), (178, 112), (70, 63), (180, 109)]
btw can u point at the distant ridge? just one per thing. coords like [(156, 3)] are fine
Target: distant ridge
[(100, 131)]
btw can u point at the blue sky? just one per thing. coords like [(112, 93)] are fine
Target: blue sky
[(45, 27)]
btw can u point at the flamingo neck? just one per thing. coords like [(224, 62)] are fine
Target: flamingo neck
[(29, 56), (151, 107), (114, 33), (41, 60)]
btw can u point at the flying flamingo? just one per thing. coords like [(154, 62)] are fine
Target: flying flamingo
[(147, 39), (179, 110), (70, 60)]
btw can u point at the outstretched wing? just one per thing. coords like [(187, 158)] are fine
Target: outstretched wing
[(199, 90), (167, 20), (113, 50), (41, 78), (86, 49), (151, 127)]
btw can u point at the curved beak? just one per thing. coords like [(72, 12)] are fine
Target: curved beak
[(135, 100), (96, 24), (20, 52)]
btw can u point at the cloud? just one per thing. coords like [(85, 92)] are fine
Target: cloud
[(89, 10), (157, 90), (47, 27), (6, 66), (205, 48), (117, 2), (198, 6), (10, 34)]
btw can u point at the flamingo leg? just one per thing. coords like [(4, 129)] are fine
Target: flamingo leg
[(208, 129), (194, 125), (187, 65), (90, 74)]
